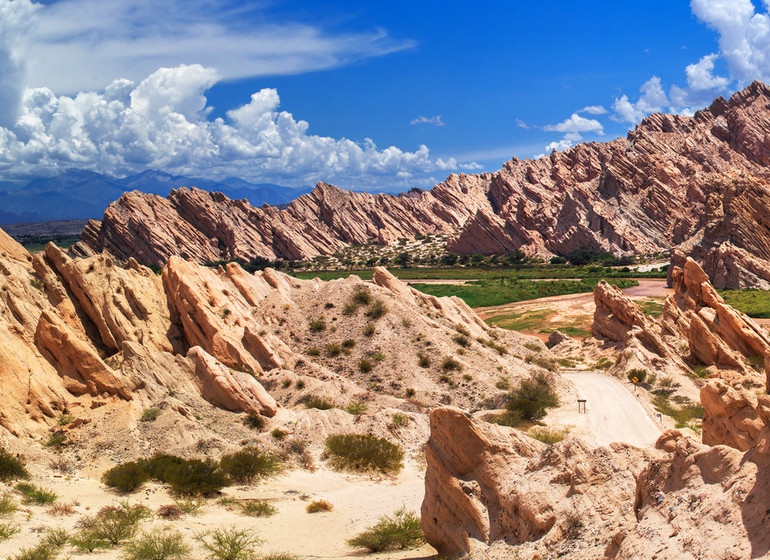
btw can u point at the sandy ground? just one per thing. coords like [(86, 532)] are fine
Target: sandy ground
[(358, 502), (612, 412)]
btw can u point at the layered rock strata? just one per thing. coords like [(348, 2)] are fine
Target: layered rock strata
[(661, 186)]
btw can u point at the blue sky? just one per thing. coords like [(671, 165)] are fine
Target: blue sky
[(366, 95)]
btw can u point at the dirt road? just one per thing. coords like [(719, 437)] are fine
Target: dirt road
[(613, 413)]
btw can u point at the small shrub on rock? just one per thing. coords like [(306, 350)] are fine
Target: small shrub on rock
[(401, 530)]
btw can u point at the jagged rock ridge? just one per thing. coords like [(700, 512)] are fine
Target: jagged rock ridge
[(647, 192)]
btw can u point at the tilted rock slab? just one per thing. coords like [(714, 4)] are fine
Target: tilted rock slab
[(644, 193)]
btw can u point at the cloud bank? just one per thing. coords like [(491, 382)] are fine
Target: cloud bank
[(161, 123)]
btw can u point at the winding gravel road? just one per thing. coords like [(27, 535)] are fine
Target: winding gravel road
[(613, 413)]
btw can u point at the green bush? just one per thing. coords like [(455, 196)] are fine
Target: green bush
[(11, 466), (333, 350), (39, 552), (250, 463), (35, 494), (377, 309), (356, 408), (230, 544), (532, 398), (401, 530), (321, 403), (450, 364), (126, 477), (422, 360), (548, 435), (157, 544), (150, 414), (255, 421), (361, 296), (313, 351), (639, 374), (86, 540), (56, 439), (365, 366), (7, 530), (112, 524), (364, 452), (317, 325), (462, 340), (197, 477), (348, 343), (258, 508), (7, 504), (369, 331)]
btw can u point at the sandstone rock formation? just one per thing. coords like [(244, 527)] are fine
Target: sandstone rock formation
[(495, 491), (732, 247), (696, 325), (661, 186), (105, 341)]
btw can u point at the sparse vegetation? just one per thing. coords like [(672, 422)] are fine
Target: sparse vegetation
[(126, 477), (258, 508), (278, 434), (637, 375), (364, 452), (333, 350), (321, 403), (317, 506), (365, 366), (7, 530), (422, 360), (7, 504), (250, 463), (399, 419), (532, 398), (170, 512), (254, 421), (503, 384), (398, 531), (32, 494), (230, 543), (548, 435), (450, 364), (361, 296), (462, 340), (369, 331), (150, 414), (157, 544), (317, 325), (11, 466), (356, 408), (313, 351), (686, 416), (377, 309)]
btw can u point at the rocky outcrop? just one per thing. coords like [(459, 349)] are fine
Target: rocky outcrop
[(652, 190), (733, 416), (496, 492), (733, 247)]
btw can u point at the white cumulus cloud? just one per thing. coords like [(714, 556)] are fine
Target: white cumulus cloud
[(594, 110), (700, 76), (162, 123), (576, 123), (652, 99)]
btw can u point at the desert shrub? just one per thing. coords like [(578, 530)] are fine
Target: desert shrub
[(401, 530), (64, 419), (548, 435), (317, 325), (369, 331), (377, 309), (356, 408), (666, 382), (278, 556), (160, 466), (319, 505), (501, 349), (39, 552), (126, 477), (349, 309), (532, 397), (150, 414), (450, 364), (158, 544), (756, 362), (61, 508), (86, 540), (701, 371), (533, 347), (190, 506), (60, 464), (348, 343), (230, 544), (462, 340), (55, 537), (422, 360), (361, 296), (321, 403), (365, 366), (399, 419), (7, 504), (197, 477), (377, 356), (171, 512), (112, 525), (410, 392), (503, 384), (333, 350), (363, 452), (639, 374), (7, 530), (258, 508), (11, 466), (278, 434), (313, 351), (573, 525), (511, 418), (32, 494), (250, 463), (300, 384), (254, 421), (55, 439)]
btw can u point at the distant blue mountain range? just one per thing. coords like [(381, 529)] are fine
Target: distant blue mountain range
[(79, 194)]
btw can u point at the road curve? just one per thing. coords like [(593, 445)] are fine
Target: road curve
[(613, 413)]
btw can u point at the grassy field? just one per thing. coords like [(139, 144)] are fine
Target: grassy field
[(754, 303), (499, 291), (36, 244), (477, 273)]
